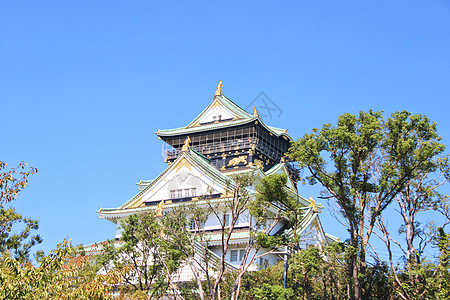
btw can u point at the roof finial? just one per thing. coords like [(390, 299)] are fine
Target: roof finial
[(219, 89), (255, 112), (186, 144), (313, 204)]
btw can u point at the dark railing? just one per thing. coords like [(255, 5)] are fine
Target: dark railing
[(234, 145)]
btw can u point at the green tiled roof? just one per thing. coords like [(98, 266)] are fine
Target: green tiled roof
[(229, 104), (331, 238), (308, 217), (217, 236), (275, 169), (203, 163), (145, 182), (196, 159), (244, 118), (214, 259), (277, 131), (186, 129)]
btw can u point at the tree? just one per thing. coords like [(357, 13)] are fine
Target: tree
[(363, 163), (12, 182), (65, 273), (157, 247), (273, 193), (150, 260), (18, 243), (420, 195)]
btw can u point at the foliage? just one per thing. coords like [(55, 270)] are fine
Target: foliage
[(12, 182), (146, 255), (273, 292), (64, 274), (363, 163), (17, 243), (272, 192)]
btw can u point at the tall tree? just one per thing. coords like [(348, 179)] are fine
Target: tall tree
[(419, 197), (363, 163), (15, 230)]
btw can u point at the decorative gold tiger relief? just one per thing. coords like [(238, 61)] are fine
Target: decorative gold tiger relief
[(259, 164), (235, 161)]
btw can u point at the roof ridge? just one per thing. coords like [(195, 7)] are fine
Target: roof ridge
[(204, 162), (246, 113), (187, 154), (199, 154), (228, 104)]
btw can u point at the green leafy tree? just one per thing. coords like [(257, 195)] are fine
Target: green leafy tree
[(363, 163), (64, 274), (18, 243), (272, 192), (148, 258)]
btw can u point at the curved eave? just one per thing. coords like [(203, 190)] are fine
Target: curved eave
[(331, 238), (187, 130), (195, 159), (201, 128), (112, 214)]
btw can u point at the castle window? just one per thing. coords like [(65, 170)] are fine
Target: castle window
[(241, 254), (179, 193), (172, 194), (186, 192), (233, 255), (193, 192), (263, 263), (201, 225), (192, 225), (226, 220)]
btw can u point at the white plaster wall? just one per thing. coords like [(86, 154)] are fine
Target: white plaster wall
[(119, 231), (215, 111)]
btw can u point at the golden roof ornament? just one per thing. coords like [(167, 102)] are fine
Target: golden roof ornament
[(160, 209), (255, 112), (219, 89), (186, 144), (313, 204)]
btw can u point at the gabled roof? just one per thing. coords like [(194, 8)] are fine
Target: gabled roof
[(281, 167), (193, 158), (226, 103), (239, 116), (309, 215)]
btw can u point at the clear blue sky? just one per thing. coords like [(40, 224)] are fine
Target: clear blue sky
[(85, 84)]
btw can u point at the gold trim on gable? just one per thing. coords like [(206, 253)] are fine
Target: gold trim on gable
[(182, 163), (215, 105)]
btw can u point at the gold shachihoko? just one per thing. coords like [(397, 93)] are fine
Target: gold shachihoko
[(219, 89)]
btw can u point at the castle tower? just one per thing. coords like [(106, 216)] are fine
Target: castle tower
[(229, 136)]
